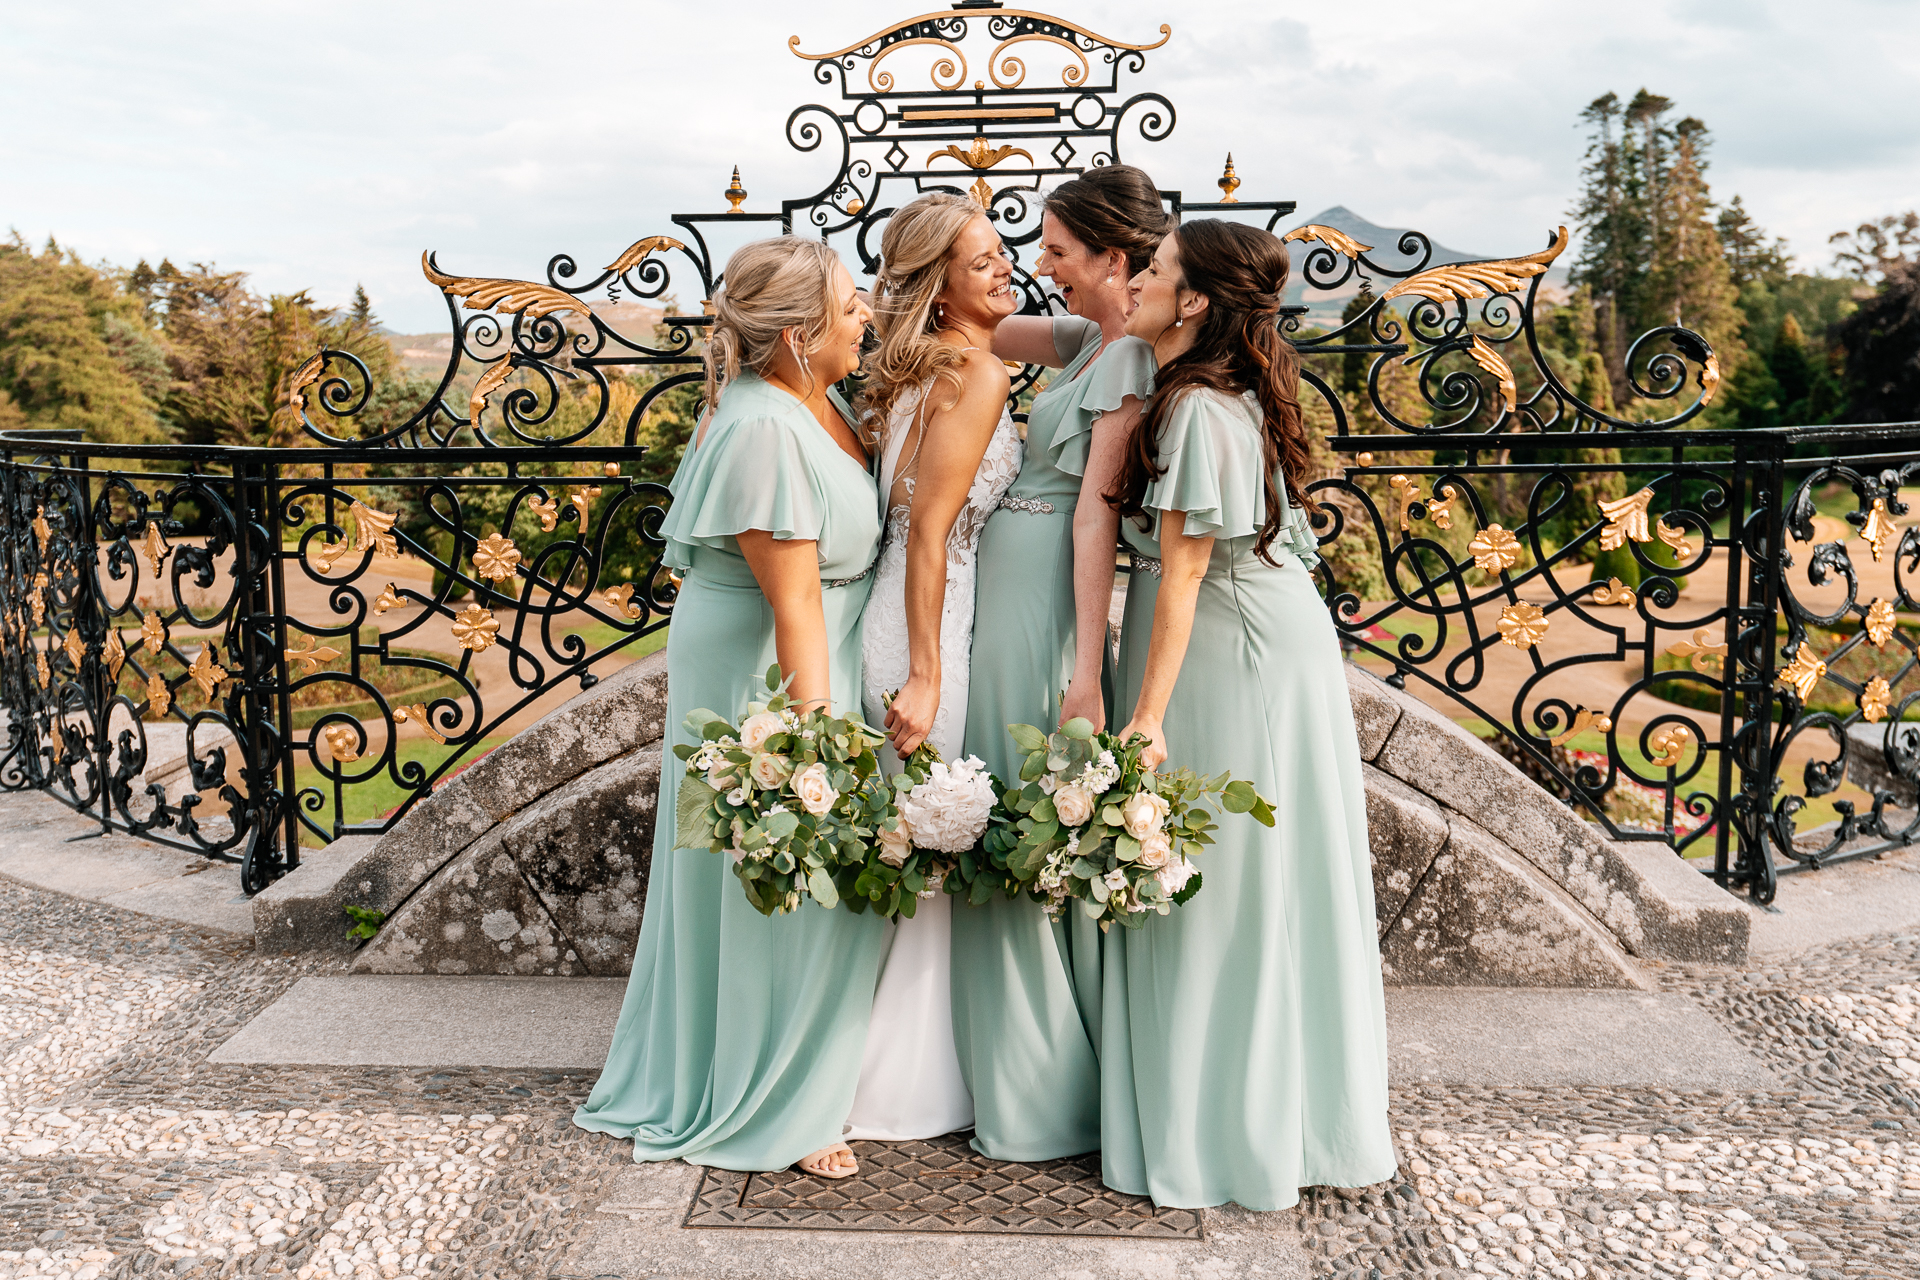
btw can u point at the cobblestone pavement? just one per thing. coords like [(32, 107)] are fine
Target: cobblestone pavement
[(123, 1152)]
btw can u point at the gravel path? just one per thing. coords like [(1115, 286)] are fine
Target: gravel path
[(123, 1152)]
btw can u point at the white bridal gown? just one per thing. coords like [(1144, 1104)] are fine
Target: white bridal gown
[(910, 1082)]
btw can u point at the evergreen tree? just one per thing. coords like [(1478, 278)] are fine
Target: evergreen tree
[(1871, 250), (1750, 255), (1882, 341)]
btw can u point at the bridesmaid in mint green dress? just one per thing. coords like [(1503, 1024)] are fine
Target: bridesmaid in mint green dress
[(740, 1040), (1243, 1035), (1025, 1024)]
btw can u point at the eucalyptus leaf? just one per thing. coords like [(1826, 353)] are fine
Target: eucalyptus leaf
[(821, 886), (1078, 727), (1027, 738)]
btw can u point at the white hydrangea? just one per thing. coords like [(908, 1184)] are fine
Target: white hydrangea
[(949, 810), (1099, 776), (1174, 876)]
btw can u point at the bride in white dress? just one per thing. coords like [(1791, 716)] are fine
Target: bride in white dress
[(948, 452)]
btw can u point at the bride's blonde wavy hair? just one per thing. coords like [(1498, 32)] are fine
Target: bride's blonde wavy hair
[(770, 286), (914, 253)]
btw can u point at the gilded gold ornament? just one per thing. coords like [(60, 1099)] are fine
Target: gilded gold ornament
[(373, 531), (1705, 656), (1583, 720), (159, 697), (153, 546), (37, 598), (1228, 182), (548, 512), (1166, 33), (1408, 491), (1523, 625), (736, 195), (417, 714), (1338, 241), (947, 73), (982, 193), (74, 647), (115, 653), (1364, 459), (636, 252), (206, 672), (1440, 506), (153, 632), (41, 669), (1494, 363), (1675, 537), (475, 627), (496, 558), (41, 529), (620, 598), (1878, 528), (490, 381), (610, 469), (1626, 518), (1875, 698), (977, 156), (1494, 549), (310, 658), (510, 297), (343, 741), (1709, 379), (1009, 72), (59, 739), (1669, 743), (388, 599), (305, 376), (581, 500), (1469, 280), (1879, 622), (1615, 592), (1803, 673)]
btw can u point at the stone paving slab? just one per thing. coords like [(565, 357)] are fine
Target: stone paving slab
[(1532, 1038), (1851, 900), (439, 1021)]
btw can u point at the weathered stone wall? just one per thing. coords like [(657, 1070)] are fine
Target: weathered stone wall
[(535, 860)]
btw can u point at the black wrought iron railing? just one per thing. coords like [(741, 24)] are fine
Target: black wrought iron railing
[(240, 650)]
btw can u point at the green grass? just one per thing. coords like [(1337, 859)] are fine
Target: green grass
[(381, 794)]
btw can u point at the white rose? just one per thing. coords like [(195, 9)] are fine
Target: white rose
[(1048, 783), (1174, 876), (1155, 850), (813, 790), (1115, 880), (720, 773), (897, 844), (1074, 805), (1144, 813), (755, 731), (737, 797), (768, 770)]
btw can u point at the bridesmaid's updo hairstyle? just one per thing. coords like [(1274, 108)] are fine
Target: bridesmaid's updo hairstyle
[(770, 286), (1115, 206), (1241, 271), (915, 250)]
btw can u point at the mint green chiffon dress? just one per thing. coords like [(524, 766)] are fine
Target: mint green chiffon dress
[(1025, 1006), (1244, 1050), (740, 1039)]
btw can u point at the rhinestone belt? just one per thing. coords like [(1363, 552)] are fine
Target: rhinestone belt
[(847, 582), (1148, 563), (1032, 506)]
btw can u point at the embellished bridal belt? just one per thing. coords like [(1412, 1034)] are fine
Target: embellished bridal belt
[(1144, 564), (1032, 506), (847, 582)]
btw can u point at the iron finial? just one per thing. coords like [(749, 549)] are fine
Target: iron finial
[(735, 193), (1229, 183)]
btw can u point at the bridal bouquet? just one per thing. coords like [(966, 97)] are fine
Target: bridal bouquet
[(794, 798), (1090, 823)]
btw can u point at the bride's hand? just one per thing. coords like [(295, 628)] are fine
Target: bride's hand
[(910, 718), (1085, 704), (1155, 753)]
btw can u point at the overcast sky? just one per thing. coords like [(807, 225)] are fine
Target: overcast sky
[(319, 145)]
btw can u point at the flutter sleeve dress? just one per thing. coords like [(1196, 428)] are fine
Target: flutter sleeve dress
[(1025, 1013), (740, 1039), (1244, 1049)]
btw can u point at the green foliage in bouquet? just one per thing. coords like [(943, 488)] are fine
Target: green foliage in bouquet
[(1090, 823), (897, 875), (794, 798)]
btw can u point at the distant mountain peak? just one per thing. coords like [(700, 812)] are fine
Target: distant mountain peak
[(1385, 240)]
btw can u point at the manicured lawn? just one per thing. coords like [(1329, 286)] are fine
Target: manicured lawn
[(381, 794)]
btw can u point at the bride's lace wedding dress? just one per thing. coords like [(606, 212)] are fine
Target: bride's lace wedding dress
[(910, 1082)]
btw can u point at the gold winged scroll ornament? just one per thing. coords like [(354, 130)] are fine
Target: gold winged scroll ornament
[(1338, 241), (1468, 280), (511, 297)]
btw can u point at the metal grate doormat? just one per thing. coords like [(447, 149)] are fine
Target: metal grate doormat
[(939, 1185)]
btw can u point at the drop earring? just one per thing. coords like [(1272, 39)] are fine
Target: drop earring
[(1178, 322)]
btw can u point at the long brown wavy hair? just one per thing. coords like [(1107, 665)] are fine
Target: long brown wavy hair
[(1241, 271), (1115, 206)]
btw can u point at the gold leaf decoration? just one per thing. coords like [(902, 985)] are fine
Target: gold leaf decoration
[(510, 297), (40, 668), (1338, 241), (115, 652), (310, 658), (581, 500), (547, 510), (37, 598), (153, 632), (490, 381), (1669, 744), (982, 193), (1408, 491), (1878, 528), (1709, 379), (153, 546), (388, 599), (1615, 592), (41, 529), (373, 531), (1626, 518), (1523, 625), (497, 558), (620, 598), (159, 697), (59, 740), (1583, 720), (1009, 72), (1875, 698), (977, 156), (206, 672), (1440, 506), (1879, 623), (1468, 280), (1494, 549), (1706, 656), (1496, 364), (74, 647), (638, 250), (343, 742), (1675, 538), (305, 376), (417, 714), (1803, 673), (475, 627)]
